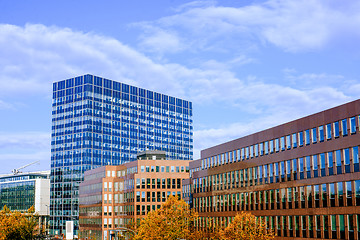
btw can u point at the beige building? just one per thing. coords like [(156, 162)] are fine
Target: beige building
[(111, 197)]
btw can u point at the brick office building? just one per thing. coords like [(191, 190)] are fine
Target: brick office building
[(302, 177), (113, 196)]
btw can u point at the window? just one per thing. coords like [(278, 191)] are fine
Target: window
[(277, 145), (338, 161), (336, 129), (288, 141), (261, 145), (294, 140), (266, 148), (251, 151), (356, 159), (315, 165), (328, 131), (271, 142), (282, 142), (307, 137), (321, 134), (301, 139), (330, 163), (332, 194), (352, 125), (344, 127), (322, 164), (313, 135), (347, 160)]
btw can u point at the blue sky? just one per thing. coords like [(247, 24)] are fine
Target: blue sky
[(245, 65)]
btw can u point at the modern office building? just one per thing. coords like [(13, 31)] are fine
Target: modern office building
[(97, 122), (301, 177), (113, 196), (21, 191)]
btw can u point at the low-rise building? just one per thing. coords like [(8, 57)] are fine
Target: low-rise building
[(112, 197), (21, 191), (302, 177)]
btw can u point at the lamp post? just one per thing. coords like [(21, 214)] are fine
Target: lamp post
[(46, 218)]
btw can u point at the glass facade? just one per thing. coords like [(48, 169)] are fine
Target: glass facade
[(97, 122), (18, 192)]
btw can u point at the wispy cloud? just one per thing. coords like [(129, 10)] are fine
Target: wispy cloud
[(19, 149), (25, 140), (290, 25)]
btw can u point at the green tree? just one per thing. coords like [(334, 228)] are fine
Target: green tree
[(174, 220), (246, 226)]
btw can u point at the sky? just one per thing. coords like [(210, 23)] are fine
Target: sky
[(246, 65)]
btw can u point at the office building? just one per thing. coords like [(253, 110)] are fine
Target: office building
[(21, 191), (97, 122), (113, 196), (301, 177)]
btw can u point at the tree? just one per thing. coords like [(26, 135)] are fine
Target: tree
[(174, 220), (246, 226), (15, 225)]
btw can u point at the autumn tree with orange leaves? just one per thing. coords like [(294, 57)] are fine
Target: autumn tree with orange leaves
[(174, 220), (245, 226), (16, 225)]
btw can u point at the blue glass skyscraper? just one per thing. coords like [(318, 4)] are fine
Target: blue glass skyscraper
[(96, 122)]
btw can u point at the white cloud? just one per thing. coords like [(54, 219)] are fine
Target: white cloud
[(19, 149), (9, 161), (6, 105), (291, 25), (33, 56), (36, 55), (25, 140)]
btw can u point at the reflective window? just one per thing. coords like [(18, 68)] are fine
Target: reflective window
[(336, 129), (346, 156), (314, 135), (282, 143), (294, 140), (288, 141), (338, 157), (307, 137), (261, 146), (266, 148), (344, 127), (355, 155), (277, 143), (301, 164), (301, 139), (271, 146), (330, 159), (322, 160), (328, 131), (321, 133), (315, 162), (352, 125)]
